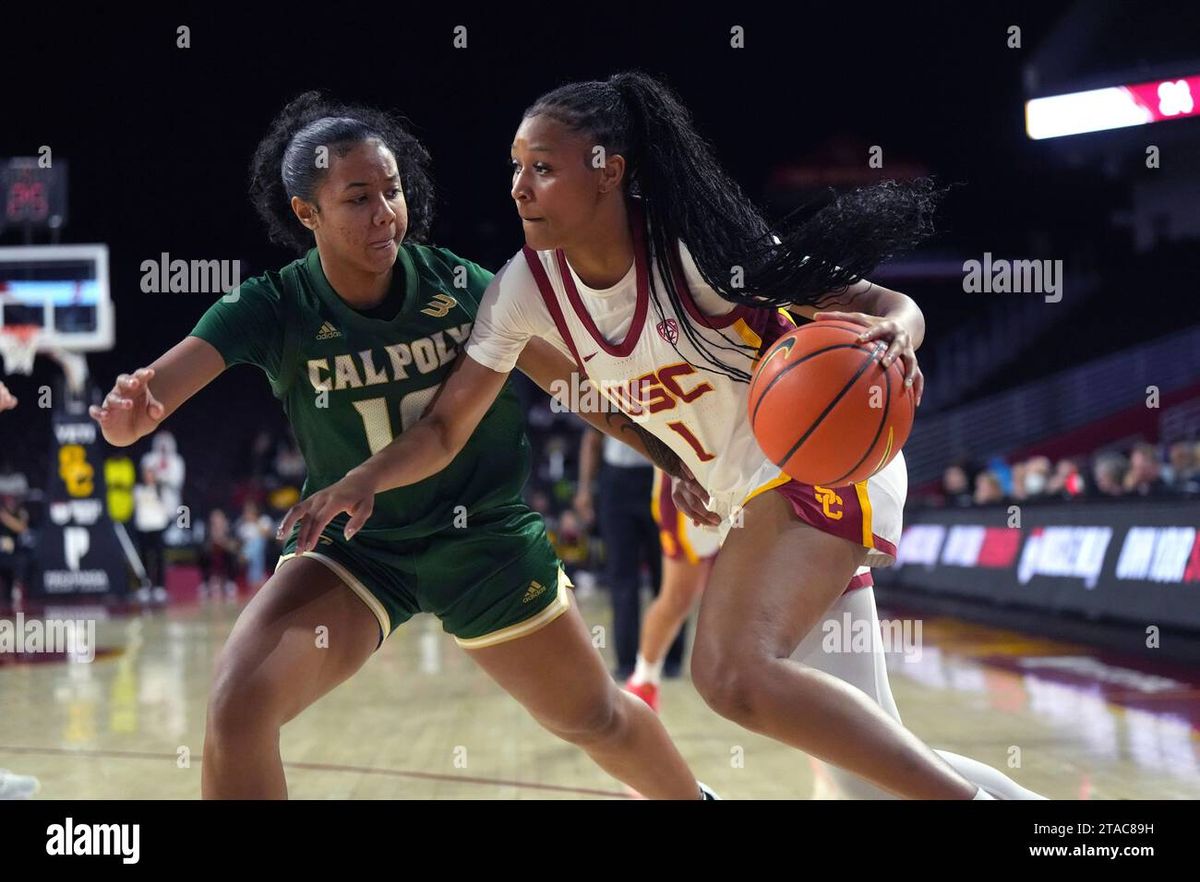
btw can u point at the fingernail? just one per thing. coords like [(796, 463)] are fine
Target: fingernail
[(908, 382)]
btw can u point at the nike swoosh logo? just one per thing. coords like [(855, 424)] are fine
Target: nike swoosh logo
[(588, 357)]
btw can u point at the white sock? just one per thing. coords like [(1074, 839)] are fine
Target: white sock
[(982, 794), (645, 672)]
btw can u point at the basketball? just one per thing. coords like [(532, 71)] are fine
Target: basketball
[(824, 410)]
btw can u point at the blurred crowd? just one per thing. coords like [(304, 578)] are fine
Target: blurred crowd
[(1144, 471)]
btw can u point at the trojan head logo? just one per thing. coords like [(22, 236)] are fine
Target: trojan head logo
[(828, 499), (668, 329), (440, 305)]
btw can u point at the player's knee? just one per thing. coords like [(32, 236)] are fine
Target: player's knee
[(725, 682), (589, 722), (240, 701)]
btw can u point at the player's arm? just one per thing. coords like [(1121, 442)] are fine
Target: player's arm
[(140, 401), (421, 450), (18, 523), (556, 375), (888, 315)]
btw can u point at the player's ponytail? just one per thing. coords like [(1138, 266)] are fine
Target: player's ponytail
[(288, 162), (686, 195)]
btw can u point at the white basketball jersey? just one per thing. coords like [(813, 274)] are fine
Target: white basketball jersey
[(698, 412)]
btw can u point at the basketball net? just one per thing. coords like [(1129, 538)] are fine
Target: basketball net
[(19, 346)]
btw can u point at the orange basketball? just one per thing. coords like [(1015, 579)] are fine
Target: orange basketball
[(823, 408)]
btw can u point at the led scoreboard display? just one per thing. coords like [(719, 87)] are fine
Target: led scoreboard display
[(32, 194)]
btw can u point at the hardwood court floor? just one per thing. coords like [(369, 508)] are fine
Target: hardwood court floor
[(420, 721)]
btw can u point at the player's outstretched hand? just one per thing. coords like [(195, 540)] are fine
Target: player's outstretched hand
[(7, 400), (691, 498), (354, 494), (130, 411)]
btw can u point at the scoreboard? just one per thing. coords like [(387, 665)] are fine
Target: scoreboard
[(32, 193)]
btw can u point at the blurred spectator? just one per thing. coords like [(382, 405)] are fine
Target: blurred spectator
[(1017, 488), (988, 488), (289, 463), (254, 531), (1182, 473), (1037, 477), (1066, 480), (151, 517), (1003, 472), (570, 542), (14, 556), (1144, 477), (1109, 471), (219, 559), (956, 489), (13, 481), (167, 470)]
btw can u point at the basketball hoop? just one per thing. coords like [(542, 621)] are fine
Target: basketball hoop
[(19, 346)]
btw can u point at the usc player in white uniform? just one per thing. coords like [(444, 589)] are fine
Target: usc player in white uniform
[(610, 180)]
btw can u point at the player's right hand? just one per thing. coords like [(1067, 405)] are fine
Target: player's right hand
[(7, 400), (130, 410), (691, 498)]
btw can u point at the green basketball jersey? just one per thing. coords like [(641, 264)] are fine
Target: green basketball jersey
[(349, 383)]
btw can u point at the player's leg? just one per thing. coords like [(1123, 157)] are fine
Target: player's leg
[(772, 583), (866, 669), (561, 679), (681, 586), (272, 667)]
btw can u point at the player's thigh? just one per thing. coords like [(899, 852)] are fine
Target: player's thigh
[(772, 582), (303, 633)]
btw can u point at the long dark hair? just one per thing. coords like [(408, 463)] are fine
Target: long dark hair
[(284, 163), (687, 196)]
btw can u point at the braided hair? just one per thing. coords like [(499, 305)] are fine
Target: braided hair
[(807, 258)]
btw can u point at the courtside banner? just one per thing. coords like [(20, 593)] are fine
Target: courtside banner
[(1134, 561)]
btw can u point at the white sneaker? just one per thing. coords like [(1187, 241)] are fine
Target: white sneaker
[(706, 791), (13, 786)]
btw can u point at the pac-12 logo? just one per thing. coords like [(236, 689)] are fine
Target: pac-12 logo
[(668, 329)]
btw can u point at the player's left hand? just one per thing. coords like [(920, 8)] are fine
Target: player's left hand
[(890, 330), (353, 493), (7, 399)]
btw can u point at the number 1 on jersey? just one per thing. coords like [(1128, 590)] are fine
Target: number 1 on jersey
[(691, 439)]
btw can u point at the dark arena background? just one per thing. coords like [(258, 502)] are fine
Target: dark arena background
[(1043, 613)]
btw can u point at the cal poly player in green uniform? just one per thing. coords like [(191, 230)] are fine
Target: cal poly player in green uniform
[(355, 338)]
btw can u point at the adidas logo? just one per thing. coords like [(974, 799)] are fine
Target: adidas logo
[(328, 332), (535, 588)]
